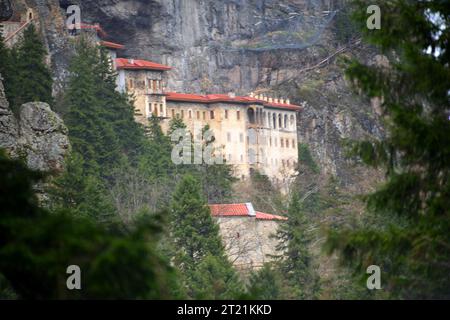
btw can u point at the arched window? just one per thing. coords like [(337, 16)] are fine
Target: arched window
[(274, 120), (292, 122), (251, 115), (280, 122), (212, 114), (285, 121), (269, 123), (190, 114)]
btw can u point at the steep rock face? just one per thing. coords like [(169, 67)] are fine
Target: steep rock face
[(229, 45), (40, 136), (274, 46), (8, 124)]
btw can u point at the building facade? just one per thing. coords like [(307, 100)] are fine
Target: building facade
[(250, 132)]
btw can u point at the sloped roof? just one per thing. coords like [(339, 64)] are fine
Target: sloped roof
[(112, 45), (240, 210), (136, 64), (215, 98)]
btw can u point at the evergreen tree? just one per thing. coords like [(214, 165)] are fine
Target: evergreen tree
[(32, 80), (295, 261), (84, 194), (266, 284), (408, 229), (91, 135), (199, 255), (37, 246)]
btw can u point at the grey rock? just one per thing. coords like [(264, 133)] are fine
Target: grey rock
[(43, 137), (40, 136), (8, 124)]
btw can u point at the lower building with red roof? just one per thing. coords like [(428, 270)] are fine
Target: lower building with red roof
[(248, 235)]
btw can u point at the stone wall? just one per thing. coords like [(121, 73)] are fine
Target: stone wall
[(248, 241)]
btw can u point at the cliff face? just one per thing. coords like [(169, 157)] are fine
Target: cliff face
[(280, 47), (39, 136)]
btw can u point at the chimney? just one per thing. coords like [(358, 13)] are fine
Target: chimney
[(251, 210), (282, 100), (276, 100), (288, 101), (232, 95), (270, 100)]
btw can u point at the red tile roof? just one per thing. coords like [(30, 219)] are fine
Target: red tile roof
[(214, 98), (112, 45), (237, 209), (267, 216), (240, 210), (134, 64)]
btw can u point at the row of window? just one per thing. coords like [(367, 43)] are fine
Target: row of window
[(154, 85), (284, 142), (274, 162), (157, 109), (272, 120), (201, 115)]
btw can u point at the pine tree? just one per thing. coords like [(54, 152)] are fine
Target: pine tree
[(295, 261), (200, 255), (407, 230), (32, 79), (85, 195), (91, 134), (265, 284), (37, 246)]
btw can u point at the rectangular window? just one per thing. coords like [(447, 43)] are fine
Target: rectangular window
[(238, 115), (228, 137), (204, 115), (241, 137), (198, 115), (293, 144), (173, 113), (212, 114), (182, 114), (161, 108), (190, 114), (226, 114)]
